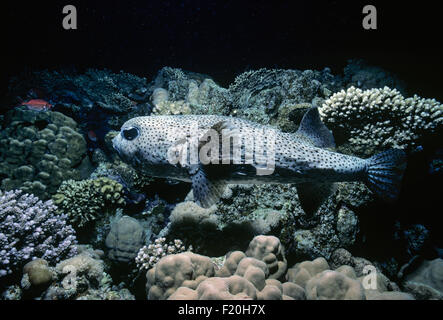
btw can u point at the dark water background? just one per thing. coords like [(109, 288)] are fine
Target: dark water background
[(225, 38)]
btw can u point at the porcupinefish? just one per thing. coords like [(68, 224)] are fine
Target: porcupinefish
[(211, 151)]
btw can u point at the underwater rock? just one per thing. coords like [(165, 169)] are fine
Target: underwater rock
[(426, 282), (259, 95), (38, 150), (333, 285), (83, 277), (38, 272), (289, 116), (358, 73), (75, 91), (125, 239), (175, 91)]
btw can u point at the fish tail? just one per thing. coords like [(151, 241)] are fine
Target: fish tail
[(385, 172)]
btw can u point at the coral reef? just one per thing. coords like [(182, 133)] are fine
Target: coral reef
[(258, 95), (175, 91), (82, 277), (125, 239), (38, 273), (73, 90), (245, 211), (38, 150), (31, 229), (247, 276), (426, 282), (86, 200), (377, 119), (148, 256), (172, 271)]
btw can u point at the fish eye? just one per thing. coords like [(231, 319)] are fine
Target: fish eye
[(130, 133)]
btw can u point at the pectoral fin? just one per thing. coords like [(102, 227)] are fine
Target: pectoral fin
[(206, 191), (313, 195)]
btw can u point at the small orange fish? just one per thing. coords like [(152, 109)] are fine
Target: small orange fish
[(37, 105)]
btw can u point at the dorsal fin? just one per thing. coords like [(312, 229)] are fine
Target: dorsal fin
[(314, 130)]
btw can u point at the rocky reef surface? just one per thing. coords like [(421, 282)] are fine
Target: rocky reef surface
[(143, 237)]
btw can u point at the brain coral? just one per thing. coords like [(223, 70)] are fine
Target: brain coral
[(194, 277), (377, 119), (334, 285), (83, 201), (38, 150)]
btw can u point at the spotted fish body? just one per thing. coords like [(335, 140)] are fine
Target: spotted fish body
[(303, 158)]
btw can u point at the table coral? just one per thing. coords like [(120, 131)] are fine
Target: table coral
[(377, 119)]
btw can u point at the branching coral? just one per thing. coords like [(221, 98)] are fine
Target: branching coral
[(149, 255), (31, 229), (83, 201), (377, 119)]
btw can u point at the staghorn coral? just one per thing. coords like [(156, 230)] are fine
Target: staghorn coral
[(38, 150), (148, 256), (377, 119), (86, 200), (31, 229)]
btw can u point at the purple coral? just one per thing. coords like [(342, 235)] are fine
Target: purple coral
[(31, 229)]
